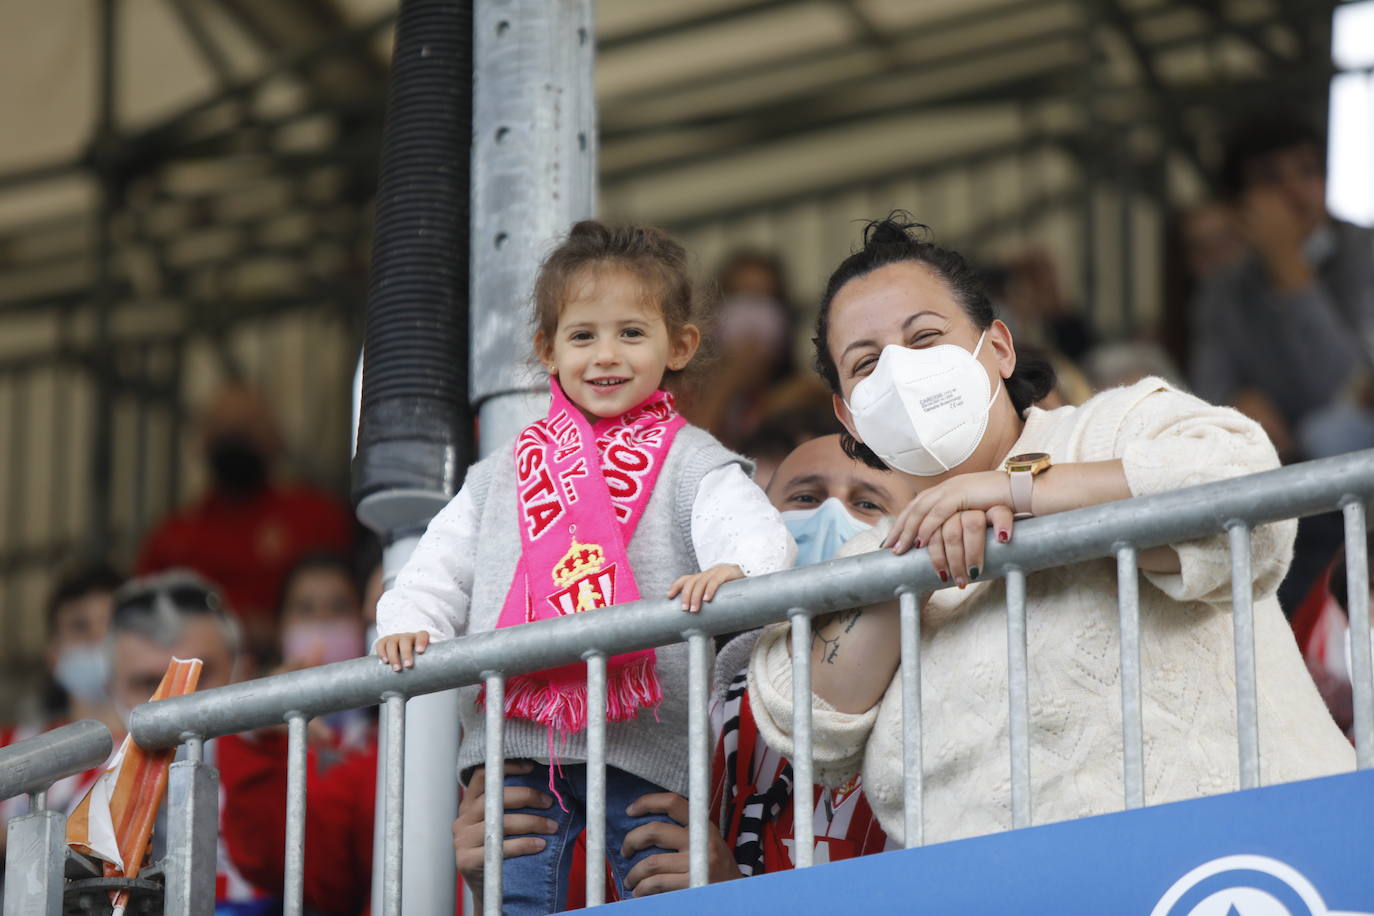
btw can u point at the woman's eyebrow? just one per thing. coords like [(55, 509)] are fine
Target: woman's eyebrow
[(911, 319)]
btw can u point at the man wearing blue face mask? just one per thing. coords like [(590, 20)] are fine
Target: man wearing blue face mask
[(78, 616), (826, 497)]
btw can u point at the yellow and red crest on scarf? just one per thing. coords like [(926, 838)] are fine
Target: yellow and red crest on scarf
[(585, 584)]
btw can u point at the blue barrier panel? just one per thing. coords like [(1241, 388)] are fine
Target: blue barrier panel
[(1301, 849)]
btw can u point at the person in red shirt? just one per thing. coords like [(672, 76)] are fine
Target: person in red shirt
[(249, 528)]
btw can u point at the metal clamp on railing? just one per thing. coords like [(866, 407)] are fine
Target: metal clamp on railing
[(1117, 530), (36, 854)]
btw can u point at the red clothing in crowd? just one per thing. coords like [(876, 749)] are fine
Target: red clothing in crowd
[(247, 545), (338, 820)]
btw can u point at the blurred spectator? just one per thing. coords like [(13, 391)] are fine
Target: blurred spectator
[(1321, 626), (1283, 333), (78, 662), (323, 620), (321, 616), (1201, 241), (754, 327), (1030, 300), (179, 614), (248, 530)]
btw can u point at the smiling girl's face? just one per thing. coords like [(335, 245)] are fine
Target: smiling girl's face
[(612, 345)]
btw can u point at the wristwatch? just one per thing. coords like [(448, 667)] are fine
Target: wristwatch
[(1022, 470)]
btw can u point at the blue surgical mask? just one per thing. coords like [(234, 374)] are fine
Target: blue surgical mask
[(84, 671), (820, 532)]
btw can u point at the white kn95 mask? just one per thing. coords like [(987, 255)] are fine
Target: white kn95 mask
[(924, 411)]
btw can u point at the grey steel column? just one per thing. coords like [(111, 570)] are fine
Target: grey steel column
[(596, 779), (34, 862), (1132, 730), (803, 782), (1243, 619), (912, 770), (1357, 603), (192, 835), (698, 757), (1018, 695), (533, 175), (494, 802), (293, 884)]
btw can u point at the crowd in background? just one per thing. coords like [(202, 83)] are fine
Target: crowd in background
[(1269, 308)]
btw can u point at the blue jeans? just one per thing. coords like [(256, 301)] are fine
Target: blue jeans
[(538, 884)]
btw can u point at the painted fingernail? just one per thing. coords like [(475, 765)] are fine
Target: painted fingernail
[(1004, 536), (960, 582), (920, 543), (944, 576), (972, 573)]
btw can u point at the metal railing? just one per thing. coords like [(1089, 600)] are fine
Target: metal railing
[(1119, 529), (36, 851)]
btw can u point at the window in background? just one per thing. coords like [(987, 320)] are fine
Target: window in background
[(1350, 143)]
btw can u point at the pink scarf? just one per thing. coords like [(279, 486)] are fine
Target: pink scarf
[(580, 491)]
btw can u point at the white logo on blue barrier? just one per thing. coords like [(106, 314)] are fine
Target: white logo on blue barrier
[(1244, 886)]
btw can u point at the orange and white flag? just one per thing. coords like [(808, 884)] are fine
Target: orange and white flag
[(114, 822)]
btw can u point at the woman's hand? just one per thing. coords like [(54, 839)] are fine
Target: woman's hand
[(668, 871), (469, 831), (702, 586), (951, 519)]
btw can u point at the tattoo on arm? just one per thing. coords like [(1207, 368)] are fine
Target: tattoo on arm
[(831, 631)]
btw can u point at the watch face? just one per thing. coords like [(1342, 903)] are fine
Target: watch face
[(1028, 458)]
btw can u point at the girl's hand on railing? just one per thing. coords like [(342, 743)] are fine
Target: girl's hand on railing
[(469, 830), (702, 586), (669, 871), (399, 649)]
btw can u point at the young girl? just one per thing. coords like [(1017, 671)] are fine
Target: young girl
[(610, 497)]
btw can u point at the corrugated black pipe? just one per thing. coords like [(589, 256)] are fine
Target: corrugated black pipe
[(415, 428)]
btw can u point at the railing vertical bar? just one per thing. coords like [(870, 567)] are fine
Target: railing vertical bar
[(293, 886), (1243, 620), (1018, 694), (698, 756), (596, 779), (395, 801), (913, 817), (494, 810), (1132, 729), (1357, 601), (803, 792)]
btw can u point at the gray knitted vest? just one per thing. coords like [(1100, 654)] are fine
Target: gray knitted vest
[(660, 551)]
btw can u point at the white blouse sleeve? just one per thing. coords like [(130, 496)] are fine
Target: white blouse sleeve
[(733, 522), (434, 588)]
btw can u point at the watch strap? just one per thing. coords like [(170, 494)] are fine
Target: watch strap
[(1022, 485)]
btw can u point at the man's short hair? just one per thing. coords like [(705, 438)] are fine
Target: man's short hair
[(156, 608), (1258, 136)]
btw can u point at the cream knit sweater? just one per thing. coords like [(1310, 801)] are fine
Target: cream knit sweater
[(1165, 439)]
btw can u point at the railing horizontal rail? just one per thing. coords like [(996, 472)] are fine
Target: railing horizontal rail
[(1055, 540), (34, 764)]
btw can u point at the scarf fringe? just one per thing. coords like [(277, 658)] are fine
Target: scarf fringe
[(563, 707)]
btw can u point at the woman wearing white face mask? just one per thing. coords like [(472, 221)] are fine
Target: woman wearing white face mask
[(928, 382)]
